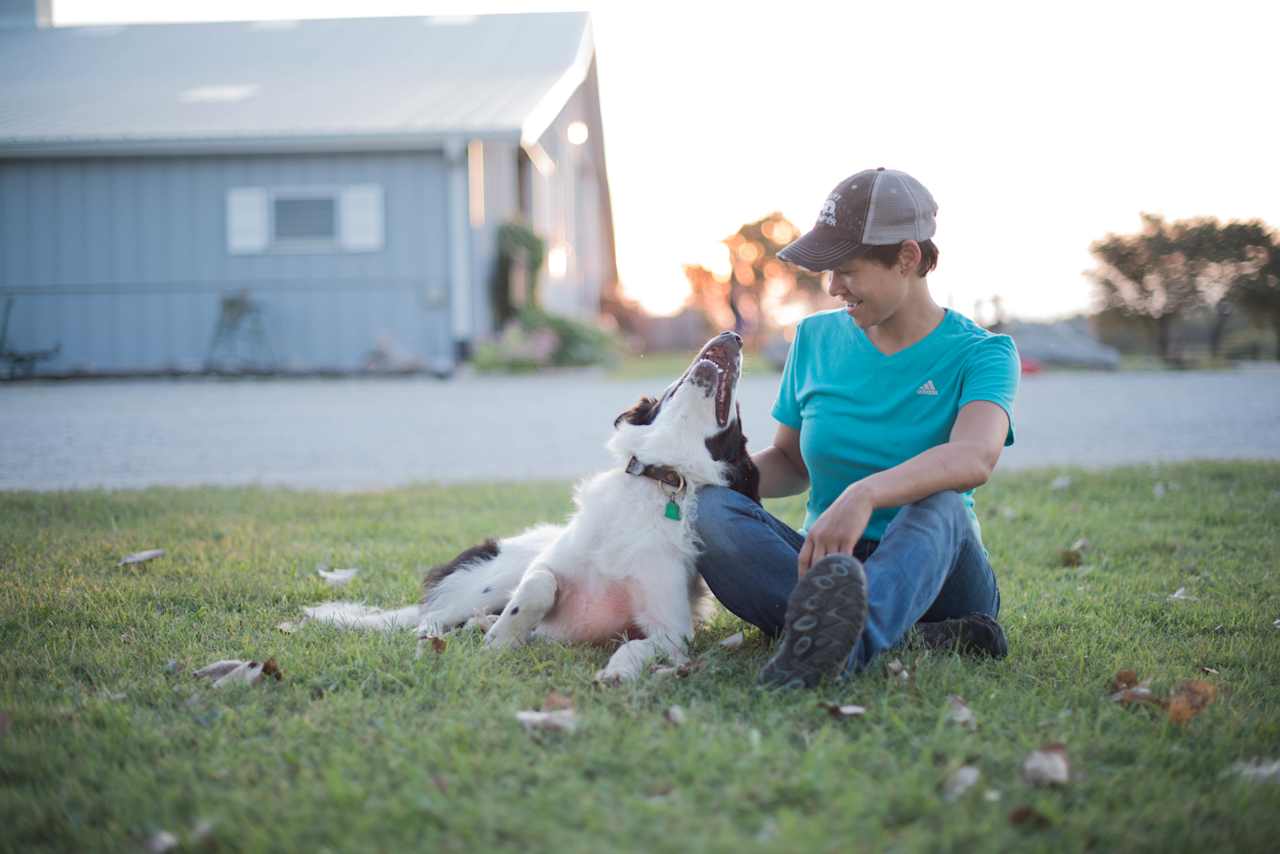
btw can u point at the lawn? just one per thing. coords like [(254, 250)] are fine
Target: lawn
[(106, 738), (664, 365)]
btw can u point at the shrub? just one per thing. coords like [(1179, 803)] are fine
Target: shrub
[(538, 339)]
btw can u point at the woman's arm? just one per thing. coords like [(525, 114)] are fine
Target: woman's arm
[(782, 469), (964, 461)]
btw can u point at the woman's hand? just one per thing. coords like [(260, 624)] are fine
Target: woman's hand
[(839, 527)]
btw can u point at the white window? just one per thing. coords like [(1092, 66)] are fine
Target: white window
[(304, 219), (326, 219)]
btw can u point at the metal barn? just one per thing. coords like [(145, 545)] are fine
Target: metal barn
[(288, 196)]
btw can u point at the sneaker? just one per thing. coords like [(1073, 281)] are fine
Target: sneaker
[(825, 616), (976, 634)]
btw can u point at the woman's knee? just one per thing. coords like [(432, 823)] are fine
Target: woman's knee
[(717, 508), (939, 511)]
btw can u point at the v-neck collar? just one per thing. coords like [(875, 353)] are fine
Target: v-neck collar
[(866, 341)]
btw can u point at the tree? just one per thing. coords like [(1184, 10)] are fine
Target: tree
[(1163, 271), (1257, 287), (759, 288)]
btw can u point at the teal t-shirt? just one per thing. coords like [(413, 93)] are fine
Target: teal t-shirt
[(860, 412)]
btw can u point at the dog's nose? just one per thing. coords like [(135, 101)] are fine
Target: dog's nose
[(737, 339)]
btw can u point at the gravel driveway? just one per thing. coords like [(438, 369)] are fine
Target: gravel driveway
[(372, 433)]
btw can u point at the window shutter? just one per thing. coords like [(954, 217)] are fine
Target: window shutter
[(247, 221), (360, 218)]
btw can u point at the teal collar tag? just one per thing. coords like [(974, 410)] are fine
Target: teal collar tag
[(673, 510)]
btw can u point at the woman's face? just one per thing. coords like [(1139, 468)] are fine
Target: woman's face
[(871, 292)]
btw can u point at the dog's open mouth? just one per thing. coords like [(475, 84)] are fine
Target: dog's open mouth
[(716, 370)]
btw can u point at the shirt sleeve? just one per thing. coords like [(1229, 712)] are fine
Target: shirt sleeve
[(992, 373), (786, 409)]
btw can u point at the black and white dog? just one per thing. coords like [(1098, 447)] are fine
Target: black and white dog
[(623, 564)]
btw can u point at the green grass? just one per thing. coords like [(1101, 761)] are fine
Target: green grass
[(362, 747)]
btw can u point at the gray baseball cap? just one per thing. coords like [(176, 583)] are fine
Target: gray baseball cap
[(876, 207)]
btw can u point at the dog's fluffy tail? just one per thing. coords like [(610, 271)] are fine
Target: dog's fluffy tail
[(353, 615)]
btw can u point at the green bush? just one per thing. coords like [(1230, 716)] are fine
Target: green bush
[(537, 339)]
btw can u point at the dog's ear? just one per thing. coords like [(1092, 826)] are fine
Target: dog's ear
[(641, 414), (730, 446)]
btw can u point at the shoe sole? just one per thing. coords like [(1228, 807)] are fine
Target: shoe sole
[(825, 616)]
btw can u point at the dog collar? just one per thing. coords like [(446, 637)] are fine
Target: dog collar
[(665, 475)]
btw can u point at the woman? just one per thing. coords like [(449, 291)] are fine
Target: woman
[(891, 411)]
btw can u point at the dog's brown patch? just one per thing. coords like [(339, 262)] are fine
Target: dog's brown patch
[(641, 414), (486, 551), (730, 446)]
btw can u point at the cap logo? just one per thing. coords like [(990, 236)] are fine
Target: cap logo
[(827, 216)]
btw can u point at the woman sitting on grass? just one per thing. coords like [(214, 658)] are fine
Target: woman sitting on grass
[(891, 411)]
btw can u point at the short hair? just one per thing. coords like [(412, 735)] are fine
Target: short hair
[(886, 256)]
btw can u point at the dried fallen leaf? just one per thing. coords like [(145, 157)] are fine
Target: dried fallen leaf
[(959, 713), (733, 641), (218, 669), (1124, 679), (1204, 669), (435, 643), (337, 577), (201, 834), (161, 841), (1128, 691), (555, 701), (680, 670), (141, 557), (1181, 595), (1060, 483), (1276, 624), (563, 720), (896, 669), (675, 716), (1070, 557), (236, 672), (1081, 545), (1258, 770), (1030, 817), (287, 627), (1047, 766), (1189, 699), (842, 712), (960, 781), (991, 795)]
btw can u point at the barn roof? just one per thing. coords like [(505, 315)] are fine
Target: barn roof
[(350, 83)]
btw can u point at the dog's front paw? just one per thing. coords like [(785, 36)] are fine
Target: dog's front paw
[(484, 622), (613, 675), (503, 635), (608, 677)]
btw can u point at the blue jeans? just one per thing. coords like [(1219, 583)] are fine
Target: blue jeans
[(929, 566)]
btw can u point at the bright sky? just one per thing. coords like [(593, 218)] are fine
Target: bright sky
[(1038, 129)]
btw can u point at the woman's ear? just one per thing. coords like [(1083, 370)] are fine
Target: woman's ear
[(909, 255)]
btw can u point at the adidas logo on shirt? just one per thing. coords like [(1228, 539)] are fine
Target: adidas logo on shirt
[(927, 388)]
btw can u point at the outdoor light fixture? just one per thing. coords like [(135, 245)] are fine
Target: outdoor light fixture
[(578, 133), (558, 261)]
